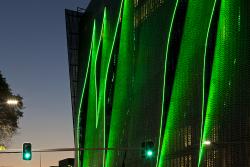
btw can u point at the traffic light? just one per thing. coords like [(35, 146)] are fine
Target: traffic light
[(147, 150), (27, 151)]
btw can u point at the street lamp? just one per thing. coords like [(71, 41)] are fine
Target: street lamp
[(207, 142), (2, 148), (12, 102), (9, 102)]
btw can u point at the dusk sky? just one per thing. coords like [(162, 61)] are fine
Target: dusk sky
[(33, 59)]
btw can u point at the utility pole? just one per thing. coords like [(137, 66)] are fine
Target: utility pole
[(40, 159)]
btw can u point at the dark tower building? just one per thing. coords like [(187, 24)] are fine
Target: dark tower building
[(172, 76)]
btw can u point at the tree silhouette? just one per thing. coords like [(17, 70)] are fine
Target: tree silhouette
[(9, 115)]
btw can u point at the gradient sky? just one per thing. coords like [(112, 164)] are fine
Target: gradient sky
[(33, 58)]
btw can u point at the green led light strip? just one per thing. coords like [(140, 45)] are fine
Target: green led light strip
[(104, 74), (110, 56), (98, 48), (90, 138), (104, 112), (164, 80), (121, 81), (203, 83), (178, 114), (83, 92), (98, 94), (101, 95)]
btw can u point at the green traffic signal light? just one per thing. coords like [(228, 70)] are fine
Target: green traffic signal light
[(27, 152), (27, 155), (147, 149), (149, 153)]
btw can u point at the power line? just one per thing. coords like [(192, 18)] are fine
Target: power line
[(69, 149)]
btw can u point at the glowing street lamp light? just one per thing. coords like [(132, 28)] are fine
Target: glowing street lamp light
[(2, 148), (12, 102), (207, 142)]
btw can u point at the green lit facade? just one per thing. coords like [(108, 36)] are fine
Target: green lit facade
[(173, 73)]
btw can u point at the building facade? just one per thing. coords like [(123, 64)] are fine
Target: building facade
[(172, 73)]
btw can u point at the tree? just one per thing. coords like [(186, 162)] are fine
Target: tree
[(9, 115)]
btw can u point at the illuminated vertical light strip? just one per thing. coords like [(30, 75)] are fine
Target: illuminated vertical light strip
[(187, 78), (122, 80), (164, 80), (107, 54), (203, 81), (225, 50), (83, 91), (96, 58), (91, 114), (97, 94), (104, 112), (101, 95), (91, 134), (98, 49), (110, 55), (106, 76), (102, 92)]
